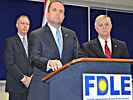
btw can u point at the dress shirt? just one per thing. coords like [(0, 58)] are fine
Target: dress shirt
[(21, 37), (53, 30), (102, 42)]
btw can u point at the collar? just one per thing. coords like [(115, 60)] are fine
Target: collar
[(21, 37), (53, 29), (102, 40)]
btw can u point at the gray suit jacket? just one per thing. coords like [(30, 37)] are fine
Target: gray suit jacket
[(42, 47), (16, 63), (93, 49)]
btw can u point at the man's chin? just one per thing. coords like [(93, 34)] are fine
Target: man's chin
[(57, 22), (105, 35)]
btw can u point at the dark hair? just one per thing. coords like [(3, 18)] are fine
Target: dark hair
[(53, 2)]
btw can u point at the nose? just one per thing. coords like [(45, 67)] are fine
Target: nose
[(104, 26), (58, 12), (25, 25)]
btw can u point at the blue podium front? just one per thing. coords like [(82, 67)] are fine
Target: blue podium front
[(68, 84)]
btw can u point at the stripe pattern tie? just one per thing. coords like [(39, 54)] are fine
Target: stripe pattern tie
[(25, 46), (107, 50), (59, 42)]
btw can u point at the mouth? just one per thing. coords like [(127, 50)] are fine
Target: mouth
[(104, 30), (57, 18), (24, 29)]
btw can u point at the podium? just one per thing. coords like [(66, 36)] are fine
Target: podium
[(66, 82)]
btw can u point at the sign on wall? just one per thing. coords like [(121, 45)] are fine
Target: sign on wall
[(107, 87)]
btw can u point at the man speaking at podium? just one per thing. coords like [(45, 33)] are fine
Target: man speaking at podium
[(104, 46), (50, 47)]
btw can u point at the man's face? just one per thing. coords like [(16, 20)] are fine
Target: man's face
[(56, 13), (103, 27), (23, 25)]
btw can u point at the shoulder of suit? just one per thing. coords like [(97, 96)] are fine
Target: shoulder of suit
[(90, 42), (67, 30), (118, 41), (12, 38), (39, 31)]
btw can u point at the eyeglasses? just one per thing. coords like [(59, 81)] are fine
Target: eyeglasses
[(106, 24), (24, 23)]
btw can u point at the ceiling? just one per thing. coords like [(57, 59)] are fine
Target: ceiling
[(116, 4)]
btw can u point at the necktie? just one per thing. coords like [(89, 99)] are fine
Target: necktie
[(107, 51), (25, 46), (59, 42)]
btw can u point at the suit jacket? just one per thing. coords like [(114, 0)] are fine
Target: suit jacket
[(16, 63), (42, 47), (93, 49)]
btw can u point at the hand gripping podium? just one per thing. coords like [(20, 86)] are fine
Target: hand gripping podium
[(66, 82)]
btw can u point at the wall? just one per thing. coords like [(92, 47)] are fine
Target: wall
[(76, 18)]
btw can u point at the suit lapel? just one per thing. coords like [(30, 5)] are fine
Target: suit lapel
[(20, 45), (65, 41), (98, 45), (114, 48), (98, 49), (51, 39)]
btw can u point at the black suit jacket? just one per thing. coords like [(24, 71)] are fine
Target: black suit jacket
[(93, 49), (16, 63), (42, 48)]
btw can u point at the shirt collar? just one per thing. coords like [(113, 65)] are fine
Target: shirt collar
[(21, 36), (102, 40), (53, 29)]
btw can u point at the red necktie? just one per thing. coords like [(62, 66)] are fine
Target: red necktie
[(107, 51)]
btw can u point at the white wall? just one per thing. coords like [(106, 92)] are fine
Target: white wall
[(3, 95)]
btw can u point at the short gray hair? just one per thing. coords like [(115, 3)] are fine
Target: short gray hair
[(100, 17), (22, 16)]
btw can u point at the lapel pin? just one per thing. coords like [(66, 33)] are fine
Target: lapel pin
[(115, 45), (66, 34)]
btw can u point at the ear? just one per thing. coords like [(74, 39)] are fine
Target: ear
[(17, 25), (111, 26), (95, 28), (46, 14)]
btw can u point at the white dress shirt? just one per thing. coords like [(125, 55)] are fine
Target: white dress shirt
[(102, 42), (53, 30), (21, 37)]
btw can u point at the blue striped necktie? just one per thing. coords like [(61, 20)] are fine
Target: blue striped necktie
[(59, 42), (25, 46)]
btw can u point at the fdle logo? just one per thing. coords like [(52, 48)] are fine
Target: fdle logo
[(107, 86)]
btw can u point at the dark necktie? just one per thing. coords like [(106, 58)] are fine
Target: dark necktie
[(25, 46), (107, 50), (59, 42)]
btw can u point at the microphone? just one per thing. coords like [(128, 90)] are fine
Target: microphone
[(76, 46)]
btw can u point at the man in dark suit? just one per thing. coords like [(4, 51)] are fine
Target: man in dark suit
[(104, 46), (16, 61), (45, 55)]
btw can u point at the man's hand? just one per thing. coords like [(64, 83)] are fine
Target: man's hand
[(26, 81), (55, 64)]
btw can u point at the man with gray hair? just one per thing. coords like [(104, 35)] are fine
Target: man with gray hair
[(104, 46)]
